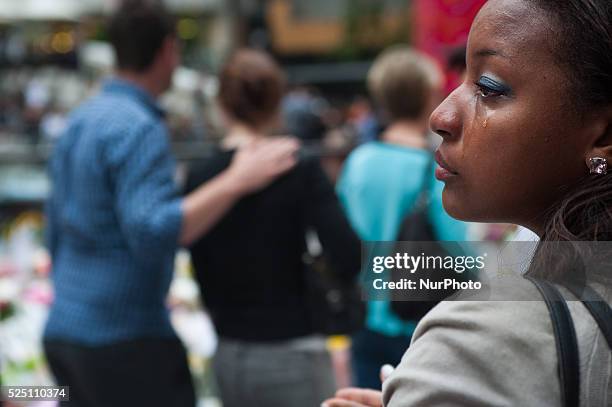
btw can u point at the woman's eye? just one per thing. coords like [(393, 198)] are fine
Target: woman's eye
[(486, 92), (489, 88)]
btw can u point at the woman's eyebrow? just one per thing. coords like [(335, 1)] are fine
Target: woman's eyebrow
[(488, 52)]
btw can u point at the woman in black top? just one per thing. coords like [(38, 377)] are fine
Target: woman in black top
[(250, 266)]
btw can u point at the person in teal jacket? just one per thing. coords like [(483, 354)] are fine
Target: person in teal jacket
[(405, 84)]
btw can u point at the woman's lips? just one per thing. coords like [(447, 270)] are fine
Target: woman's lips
[(443, 171)]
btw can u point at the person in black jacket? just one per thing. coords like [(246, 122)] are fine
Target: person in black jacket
[(250, 266)]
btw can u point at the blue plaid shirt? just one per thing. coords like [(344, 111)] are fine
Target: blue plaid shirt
[(114, 218)]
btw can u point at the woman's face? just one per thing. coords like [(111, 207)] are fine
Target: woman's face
[(512, 142)]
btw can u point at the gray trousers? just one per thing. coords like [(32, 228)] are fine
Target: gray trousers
[(295, 373)]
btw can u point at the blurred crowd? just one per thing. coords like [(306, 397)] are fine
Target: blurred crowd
[(199, 234)]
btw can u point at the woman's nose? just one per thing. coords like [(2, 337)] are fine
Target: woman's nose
[(446, 118)]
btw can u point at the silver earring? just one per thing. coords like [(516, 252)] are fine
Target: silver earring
[(599, 166)]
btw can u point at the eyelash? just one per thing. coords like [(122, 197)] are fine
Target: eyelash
[(487, 92), (482, 90)]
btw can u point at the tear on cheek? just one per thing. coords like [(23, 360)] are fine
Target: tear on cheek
[(482, 115)]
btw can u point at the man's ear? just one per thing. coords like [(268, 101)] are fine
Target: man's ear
[(168, 47), (601, 145)]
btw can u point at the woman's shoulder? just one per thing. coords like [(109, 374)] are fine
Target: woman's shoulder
[(499, 349), (495, 311), (211, 164), (507, 308), (493, 352)]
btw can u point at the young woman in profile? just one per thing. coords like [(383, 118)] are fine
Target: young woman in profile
[(527, 139)]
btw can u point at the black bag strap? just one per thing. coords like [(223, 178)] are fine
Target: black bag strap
[(422, 201), (565, 338), (595, 304)]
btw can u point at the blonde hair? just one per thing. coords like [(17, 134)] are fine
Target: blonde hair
[(401, 81)]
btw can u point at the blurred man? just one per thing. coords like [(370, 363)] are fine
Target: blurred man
[(115, 220)]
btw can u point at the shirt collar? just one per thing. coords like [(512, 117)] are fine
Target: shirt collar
[(116, 85)]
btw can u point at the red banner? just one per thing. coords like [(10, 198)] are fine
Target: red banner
[(439, 26)]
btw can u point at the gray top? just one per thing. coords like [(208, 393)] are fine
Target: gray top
[(499, 353)]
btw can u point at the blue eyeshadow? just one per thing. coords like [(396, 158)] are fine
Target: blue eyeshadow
[(492, 84)]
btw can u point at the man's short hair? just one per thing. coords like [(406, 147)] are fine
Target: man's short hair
[(137, 31), (401, 82)]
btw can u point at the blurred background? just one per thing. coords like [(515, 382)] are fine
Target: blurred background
[(54, 54)]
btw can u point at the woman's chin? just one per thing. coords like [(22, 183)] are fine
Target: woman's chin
[(460, 207)]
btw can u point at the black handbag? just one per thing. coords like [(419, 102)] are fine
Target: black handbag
[(416, 235), (336, 306)]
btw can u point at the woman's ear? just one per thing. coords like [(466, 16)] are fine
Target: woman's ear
[(601, 145)]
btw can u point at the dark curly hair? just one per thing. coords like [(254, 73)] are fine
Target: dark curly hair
[(583, 47)]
